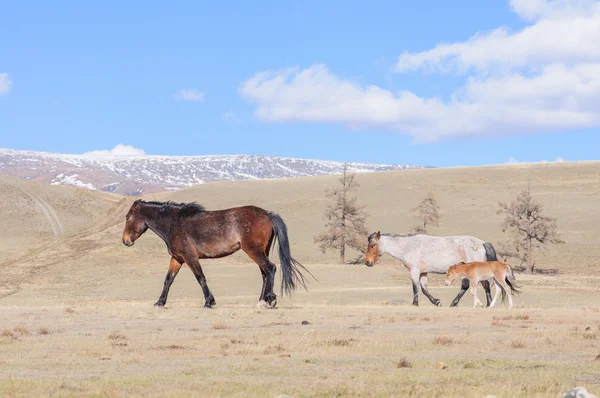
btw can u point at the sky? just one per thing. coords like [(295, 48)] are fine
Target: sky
[(434, 83)]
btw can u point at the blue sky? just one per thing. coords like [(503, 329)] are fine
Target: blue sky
[(432, 82)]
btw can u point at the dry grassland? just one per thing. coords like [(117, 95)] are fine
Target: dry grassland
[(76, 315)]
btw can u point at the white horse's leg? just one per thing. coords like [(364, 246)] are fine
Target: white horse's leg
[(415, 274), (433, 300)]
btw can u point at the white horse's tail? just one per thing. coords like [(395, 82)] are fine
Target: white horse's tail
[(490, 252)]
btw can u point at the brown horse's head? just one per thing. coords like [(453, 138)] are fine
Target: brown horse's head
[(135, 224), (373, 249)]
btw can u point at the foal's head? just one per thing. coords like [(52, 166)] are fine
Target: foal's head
[(135, 224), (372, 249), (451, 275)]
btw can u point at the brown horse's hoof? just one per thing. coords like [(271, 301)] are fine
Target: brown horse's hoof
[(273, 304), (208, 306), (159, 304)]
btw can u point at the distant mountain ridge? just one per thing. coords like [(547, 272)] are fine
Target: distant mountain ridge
[(142, 174)]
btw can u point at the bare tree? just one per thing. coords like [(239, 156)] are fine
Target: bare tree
[(428, 213), (527, 229), (345, 219)]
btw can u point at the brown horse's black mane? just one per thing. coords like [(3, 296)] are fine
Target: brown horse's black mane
[(185, 209)]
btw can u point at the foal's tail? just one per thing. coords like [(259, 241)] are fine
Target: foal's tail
[(510, 272), (514, 288), (290, 268)]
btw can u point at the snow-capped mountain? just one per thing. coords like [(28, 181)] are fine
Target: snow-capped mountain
[(141, 174)]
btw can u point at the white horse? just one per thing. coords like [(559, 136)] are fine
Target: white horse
[(422, 254)]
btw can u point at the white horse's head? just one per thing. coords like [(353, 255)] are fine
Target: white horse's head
[(373, 249)]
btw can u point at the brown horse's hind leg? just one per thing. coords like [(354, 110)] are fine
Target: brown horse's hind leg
[(174, 268), (194, 265), (267, 269)]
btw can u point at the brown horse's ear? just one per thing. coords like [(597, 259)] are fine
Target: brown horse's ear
[(378, 235)]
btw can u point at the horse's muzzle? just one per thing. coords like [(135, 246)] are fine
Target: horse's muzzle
[(369, 263), (128, 242)]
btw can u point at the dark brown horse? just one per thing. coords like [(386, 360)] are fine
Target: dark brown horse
[(192, 233)]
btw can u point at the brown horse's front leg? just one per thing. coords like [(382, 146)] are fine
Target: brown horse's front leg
[(174, 268), (209, 300)]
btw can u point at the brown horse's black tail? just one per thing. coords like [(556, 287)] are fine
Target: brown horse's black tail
[(290, 268)]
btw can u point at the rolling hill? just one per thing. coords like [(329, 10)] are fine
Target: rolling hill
[(57, 237)]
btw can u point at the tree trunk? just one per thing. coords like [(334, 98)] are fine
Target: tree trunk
[(529, 265), (343, 240), (344, 209)]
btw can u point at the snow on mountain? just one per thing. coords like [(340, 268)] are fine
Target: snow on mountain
[(133, 173)]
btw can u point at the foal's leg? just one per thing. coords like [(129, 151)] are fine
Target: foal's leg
[(464, 286), (174, 268), (267, 269), (508, 292), (424, 280), (497, 295), (475, 298), (194, 265)]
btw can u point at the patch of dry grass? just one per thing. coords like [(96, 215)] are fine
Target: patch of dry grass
[(442, 340), (8, 333), (518, 317), (404, 363), (221, 325), (172, 347), (276, 349), (339, 342), (44, 331), (517, 344), (21, 330), (589, 336), (117, 336), (413, 318)]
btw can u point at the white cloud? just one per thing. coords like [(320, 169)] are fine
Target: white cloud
[(558, 98), (566, 32), (5, 84), (189, 95), (231, 117), (533, 9), (512, 160), (543, 78), (119, 150)]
